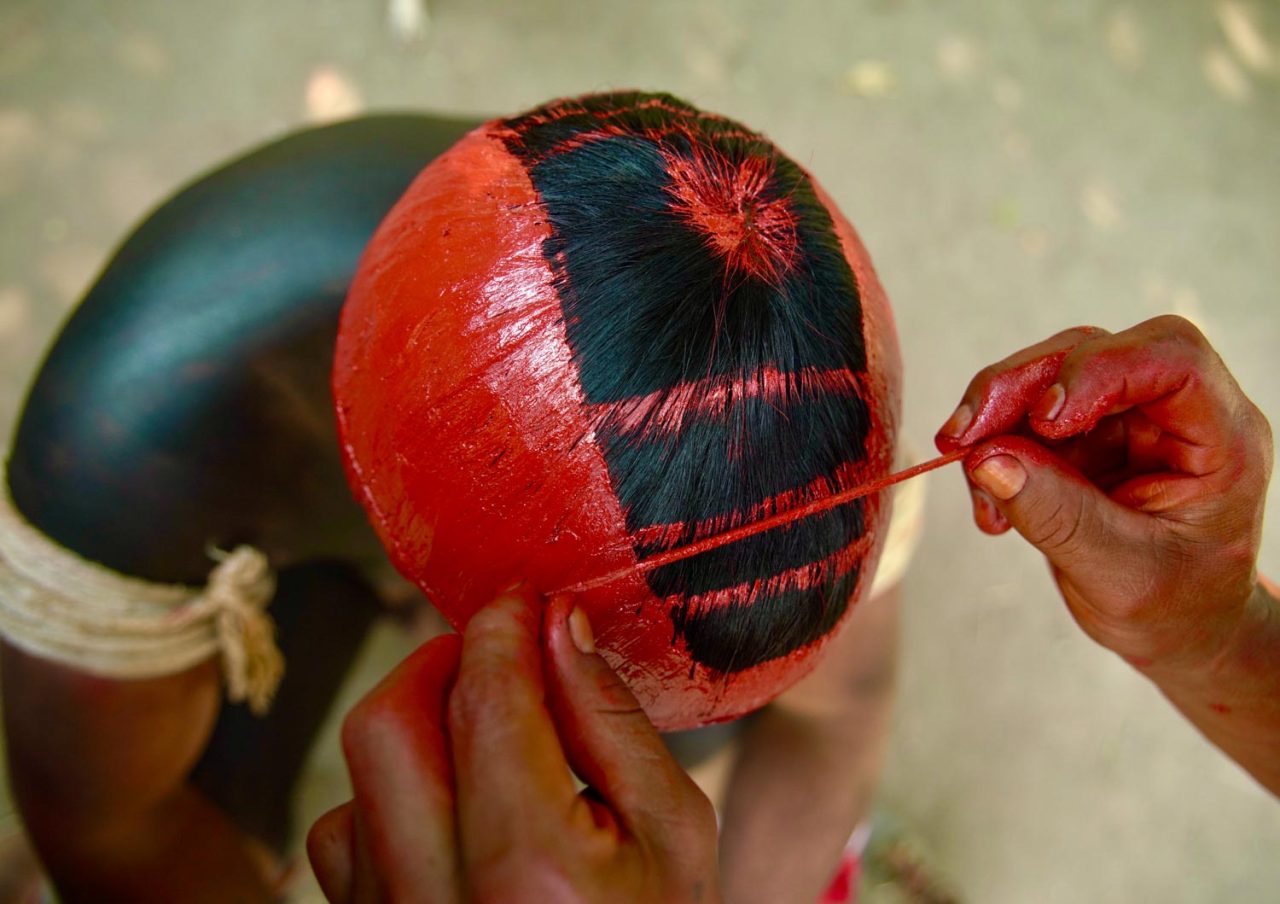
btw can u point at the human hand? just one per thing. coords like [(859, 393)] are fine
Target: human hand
[(463, 790), (1138, 467)]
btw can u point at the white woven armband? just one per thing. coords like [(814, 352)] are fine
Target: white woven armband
[(60, 606)]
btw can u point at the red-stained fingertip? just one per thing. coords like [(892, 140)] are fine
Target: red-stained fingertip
[(1050, 404), (555, 620), (948, 437)]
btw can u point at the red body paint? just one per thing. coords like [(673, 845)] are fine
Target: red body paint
[(466, 436), (1008, 399)]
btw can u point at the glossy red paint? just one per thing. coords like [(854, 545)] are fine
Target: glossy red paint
[(466, 436), (1008, 399)]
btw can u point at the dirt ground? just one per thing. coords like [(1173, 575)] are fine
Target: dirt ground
[(1015, 168)]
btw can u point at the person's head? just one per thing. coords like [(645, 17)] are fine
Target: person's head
[(604, 328)]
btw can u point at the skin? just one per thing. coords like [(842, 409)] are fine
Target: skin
[(443, 801), (808, 767), (1136, 464), (1133, 462), (172, 795)]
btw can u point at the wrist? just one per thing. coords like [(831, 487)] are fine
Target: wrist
[(1242, 662)]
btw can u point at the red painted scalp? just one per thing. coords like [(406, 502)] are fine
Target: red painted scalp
[(505, 417)]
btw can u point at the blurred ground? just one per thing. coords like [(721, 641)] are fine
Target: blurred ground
[(1014, 168)]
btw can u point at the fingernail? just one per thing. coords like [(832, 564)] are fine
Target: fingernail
[(1001, 475), (958, 423), (580, 631), (1050, 404)]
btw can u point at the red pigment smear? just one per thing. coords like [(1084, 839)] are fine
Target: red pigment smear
[(1220, 708), (726, 201), (800, 578), (667, 535), (663, 411), (758, 527)]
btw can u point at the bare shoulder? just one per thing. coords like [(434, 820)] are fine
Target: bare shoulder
[(186, 401)]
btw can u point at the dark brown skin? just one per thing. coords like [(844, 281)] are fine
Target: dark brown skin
[(186, 403), (460, 761), (119, 828), (1139, 468)]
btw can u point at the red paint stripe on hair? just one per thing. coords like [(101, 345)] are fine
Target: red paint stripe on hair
[(663, 411), (757, 527), (803, 577)]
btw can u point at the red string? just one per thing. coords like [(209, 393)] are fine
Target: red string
[(742, 531)]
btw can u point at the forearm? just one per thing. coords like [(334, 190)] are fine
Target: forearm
[(1235, 701), (182, 849), (800, 787), (98, 771)]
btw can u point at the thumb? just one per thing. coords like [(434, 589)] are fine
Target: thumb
[(1056, 508), (608, 739)]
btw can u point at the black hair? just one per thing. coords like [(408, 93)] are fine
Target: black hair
[(717, 328)]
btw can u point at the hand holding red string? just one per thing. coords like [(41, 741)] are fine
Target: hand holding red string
[(460, 763), (1138, 467)]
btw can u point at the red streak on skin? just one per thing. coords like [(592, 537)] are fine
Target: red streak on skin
[(726, 201), (663, 411), (1220, 708), (757, 527)]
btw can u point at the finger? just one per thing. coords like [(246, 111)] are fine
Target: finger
[(398, 754), (513, 779), (1166, 368), (986, 514), (1081, 531), (1103, 450), (329, 849), (611, 743), (999, 396)]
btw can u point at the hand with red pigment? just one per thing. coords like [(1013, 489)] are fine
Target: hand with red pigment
[(460, 762), (1138, 467)]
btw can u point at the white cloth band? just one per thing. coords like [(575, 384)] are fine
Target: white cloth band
[(60, 606), (906, 524)]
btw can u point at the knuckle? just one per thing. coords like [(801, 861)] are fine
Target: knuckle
[(614, 698), (1082, 332), (1059, 528), (491, 620), (702, 814), (361, 724), (987, 375), (1177, 327), (982, 382), (481, 688)]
